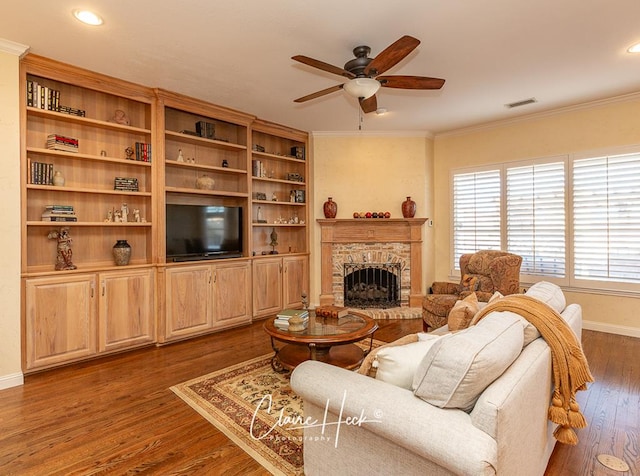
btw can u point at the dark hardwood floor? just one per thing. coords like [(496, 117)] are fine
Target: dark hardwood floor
[(116, 415)]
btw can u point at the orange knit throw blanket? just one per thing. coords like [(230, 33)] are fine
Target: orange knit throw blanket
[(569, 364)]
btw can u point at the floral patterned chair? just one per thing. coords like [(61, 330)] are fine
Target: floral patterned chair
[(483, 272)]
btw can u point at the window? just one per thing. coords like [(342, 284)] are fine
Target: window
[(606, 218), (574, 220), (476, 212), (535, 197)]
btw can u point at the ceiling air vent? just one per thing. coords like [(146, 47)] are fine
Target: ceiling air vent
[(524, 102)]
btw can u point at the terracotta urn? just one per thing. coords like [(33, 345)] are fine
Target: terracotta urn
[(408, 208), (330, 208)]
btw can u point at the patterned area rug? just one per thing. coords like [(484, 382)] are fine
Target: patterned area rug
[(255, 408)]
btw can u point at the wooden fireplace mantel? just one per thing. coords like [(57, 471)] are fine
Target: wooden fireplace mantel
[(371, 230)]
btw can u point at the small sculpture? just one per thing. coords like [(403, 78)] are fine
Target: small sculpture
[(109, 218), (129, 152), (65, 254), (124, 210), (136, 215), (180, 157), (120, 117), (274, 242)]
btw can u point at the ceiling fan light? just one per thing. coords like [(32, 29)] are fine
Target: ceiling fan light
[(362, 87)]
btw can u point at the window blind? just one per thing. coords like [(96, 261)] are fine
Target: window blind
[(535, 213), (476, 212), (606, 218)]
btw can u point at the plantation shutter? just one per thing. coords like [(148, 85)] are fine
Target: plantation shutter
[(536, 217), (476, 212), (606, 218)]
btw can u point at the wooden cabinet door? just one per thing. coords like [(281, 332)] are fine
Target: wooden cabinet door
[(188, 301), (231, 294), (295, 281), (267, 286), (126, 316), (59, 319)]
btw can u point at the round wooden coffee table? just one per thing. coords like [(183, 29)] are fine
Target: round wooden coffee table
[(328, 340)]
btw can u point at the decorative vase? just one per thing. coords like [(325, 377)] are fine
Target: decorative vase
[(205, 183), (121, 253), (58, 179), (330, 208), (408, 208)]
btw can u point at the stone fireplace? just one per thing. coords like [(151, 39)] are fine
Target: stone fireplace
[(393, 245), (372, 285)]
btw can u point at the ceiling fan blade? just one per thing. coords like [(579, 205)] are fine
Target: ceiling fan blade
[(410, 82), (323, 66), (318, 94), (369, 104), (391, 56)]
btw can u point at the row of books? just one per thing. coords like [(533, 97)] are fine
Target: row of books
[(40, 173), (59, 213), (143, 152), (59, 142), (129, 184), (282, 318), (258, 169), (44, 97)]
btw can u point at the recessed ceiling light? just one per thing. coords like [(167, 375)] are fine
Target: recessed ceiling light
[(634, 48), (90, 18)]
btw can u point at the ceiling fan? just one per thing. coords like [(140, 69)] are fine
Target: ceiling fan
[(364, 73)]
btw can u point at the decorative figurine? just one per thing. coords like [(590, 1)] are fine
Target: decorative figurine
[(129, 152), (120, 117), (274, 198), (109, 218), (260, 216), (124, 210), (225, 163), (274, 242), (180, 157), (136, 215), (65, 254), (117, 216)]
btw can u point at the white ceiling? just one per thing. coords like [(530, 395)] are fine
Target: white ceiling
[(238, 53)]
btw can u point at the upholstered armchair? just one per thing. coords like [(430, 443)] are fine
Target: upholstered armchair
[(483, 272)]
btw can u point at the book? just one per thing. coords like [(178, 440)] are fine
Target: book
[(332, 311), (284, 323), (59, 218), (289, 313)]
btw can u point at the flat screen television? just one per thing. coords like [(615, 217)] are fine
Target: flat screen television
[(196, 232)]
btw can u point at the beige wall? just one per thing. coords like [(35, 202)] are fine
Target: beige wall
[(369, 172), (590, 127), (10, 368)]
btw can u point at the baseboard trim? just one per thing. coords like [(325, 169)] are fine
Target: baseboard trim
[(11, 380), (611, 328)]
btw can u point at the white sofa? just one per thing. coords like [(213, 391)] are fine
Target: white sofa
[(386, 429)]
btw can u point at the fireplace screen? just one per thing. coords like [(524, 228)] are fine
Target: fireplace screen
[(372, 285)]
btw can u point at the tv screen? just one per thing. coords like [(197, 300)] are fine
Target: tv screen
[(203, 232)]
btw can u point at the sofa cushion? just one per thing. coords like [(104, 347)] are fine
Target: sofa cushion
[(462, 312), (548, 293), (459, 366), (397, 364)]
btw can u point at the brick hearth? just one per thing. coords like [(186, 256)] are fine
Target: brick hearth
[(373, 241)]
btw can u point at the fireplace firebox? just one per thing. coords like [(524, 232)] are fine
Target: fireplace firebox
[(372, 285)]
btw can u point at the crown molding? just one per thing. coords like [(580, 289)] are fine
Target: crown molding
[(423, 134), (13, 48), (542, 114)]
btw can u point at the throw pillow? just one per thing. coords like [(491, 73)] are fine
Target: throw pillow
[(459, 366), (548, 293), (397, 365), (462, 313)]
